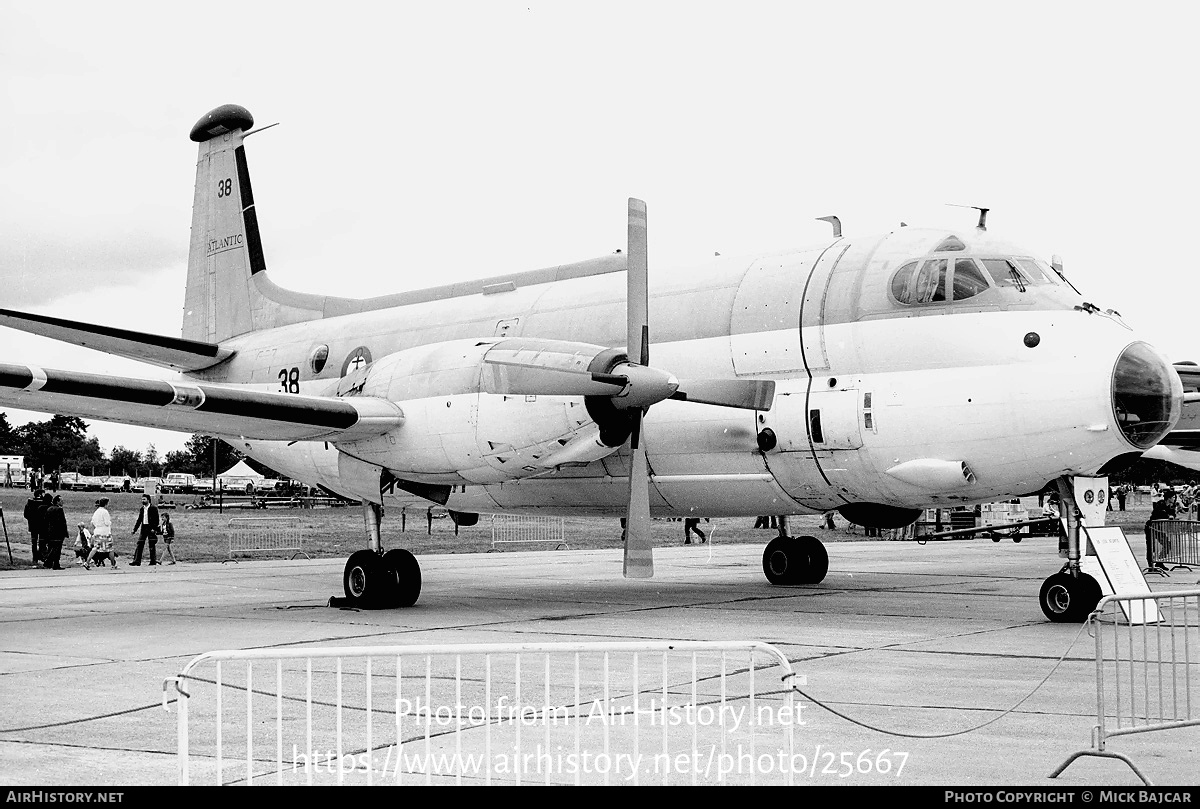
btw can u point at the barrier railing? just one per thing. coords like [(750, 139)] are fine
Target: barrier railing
[(1147, 668), (1173, 543), (514, 529), (554, 713), (265, 534)]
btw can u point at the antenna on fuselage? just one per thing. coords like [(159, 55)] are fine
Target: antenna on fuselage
[(837, 224), (983, 212)]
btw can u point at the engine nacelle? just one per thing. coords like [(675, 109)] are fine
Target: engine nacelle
[(456, 430)]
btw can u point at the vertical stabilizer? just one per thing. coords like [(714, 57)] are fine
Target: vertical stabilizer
[(226, 250)]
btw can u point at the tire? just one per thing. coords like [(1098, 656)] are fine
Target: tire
[(364, 579), (782, 560), (1067, 599), (995, 537), (816, 563), (404, 577)]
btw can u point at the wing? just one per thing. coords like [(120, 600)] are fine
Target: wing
[(222, 410), (168, 352)]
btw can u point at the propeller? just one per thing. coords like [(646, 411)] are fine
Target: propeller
[(639, 544), (623, 381)]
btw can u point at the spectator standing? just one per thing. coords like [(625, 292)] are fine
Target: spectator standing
[(33, 520), (1163, 509), (56, 532), (168, 535), (147, 522), (102, 534)]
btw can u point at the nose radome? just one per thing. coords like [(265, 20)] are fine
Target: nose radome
[(1147, 395)]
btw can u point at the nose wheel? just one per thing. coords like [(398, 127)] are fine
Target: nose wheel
[(795, 560), (1069, 599)]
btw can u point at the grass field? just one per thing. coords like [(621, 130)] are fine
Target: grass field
[(201, 534)]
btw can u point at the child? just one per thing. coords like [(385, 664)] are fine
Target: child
[(83, 544), (168, 534)]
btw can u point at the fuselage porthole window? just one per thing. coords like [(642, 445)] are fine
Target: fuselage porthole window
[(318, 358)]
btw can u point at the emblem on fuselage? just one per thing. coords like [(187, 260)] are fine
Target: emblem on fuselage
[(356, 360)]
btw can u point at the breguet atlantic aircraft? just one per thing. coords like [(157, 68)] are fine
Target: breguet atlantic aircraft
[(875, 376)]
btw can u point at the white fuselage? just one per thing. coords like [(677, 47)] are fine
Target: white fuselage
[(877, 400)]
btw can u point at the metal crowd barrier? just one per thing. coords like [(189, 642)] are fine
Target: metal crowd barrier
[(1173, 542), (1147, 673), (551, 713), (510, 529), (265, 534)]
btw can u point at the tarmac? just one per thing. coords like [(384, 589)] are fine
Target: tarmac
[(908, 638)]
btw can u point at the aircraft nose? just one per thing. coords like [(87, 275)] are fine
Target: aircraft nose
[(1147, 395)]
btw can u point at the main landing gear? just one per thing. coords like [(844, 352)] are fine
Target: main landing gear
[(794, 560), (373, 579)]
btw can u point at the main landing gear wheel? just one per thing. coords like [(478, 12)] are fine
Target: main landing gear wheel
[(795, 560), (365, 580), (404, 577), (1069, 599)]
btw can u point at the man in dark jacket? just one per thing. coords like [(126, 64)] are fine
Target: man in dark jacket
[(56, 531), (1164, 509), (147, 521), (35, 516)]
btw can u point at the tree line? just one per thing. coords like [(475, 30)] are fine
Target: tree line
[(62, 444)]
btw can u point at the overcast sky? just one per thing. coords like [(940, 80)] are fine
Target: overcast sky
[(425, 142)]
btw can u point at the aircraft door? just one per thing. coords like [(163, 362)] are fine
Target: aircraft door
[(833, 419)]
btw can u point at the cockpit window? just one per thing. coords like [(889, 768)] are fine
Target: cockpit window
[(1036, 271), (901, 282), (931, 282), (1005, 273), (1017, 272), (937, 280), (968, 280)]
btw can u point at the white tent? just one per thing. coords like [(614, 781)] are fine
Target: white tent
[(240, 470)]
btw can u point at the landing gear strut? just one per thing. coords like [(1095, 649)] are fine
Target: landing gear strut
[(373, 579), (794, 560)]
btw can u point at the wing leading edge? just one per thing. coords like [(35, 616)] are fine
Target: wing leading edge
[(200, 408), (166, 352)]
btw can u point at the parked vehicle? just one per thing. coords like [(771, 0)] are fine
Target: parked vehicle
[(176, 482)]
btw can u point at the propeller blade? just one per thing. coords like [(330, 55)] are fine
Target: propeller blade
[(637, 303), (639, 545), (517, 378), (747, 394)]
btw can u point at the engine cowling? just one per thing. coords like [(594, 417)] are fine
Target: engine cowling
[(458, 428)]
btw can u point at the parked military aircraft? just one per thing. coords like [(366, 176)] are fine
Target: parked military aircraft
[(876, 376)]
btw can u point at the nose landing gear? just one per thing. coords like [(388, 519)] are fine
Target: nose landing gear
[(1070, 595), (1067, 598)]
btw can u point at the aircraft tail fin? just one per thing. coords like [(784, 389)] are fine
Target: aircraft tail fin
[(227, 290)]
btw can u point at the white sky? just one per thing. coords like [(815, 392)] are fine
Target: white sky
[(425, 142)]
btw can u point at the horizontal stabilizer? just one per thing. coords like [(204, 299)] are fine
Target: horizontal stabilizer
[(166, 352), (197, 408)]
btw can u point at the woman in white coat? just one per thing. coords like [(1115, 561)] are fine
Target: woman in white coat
[(102, 534)]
